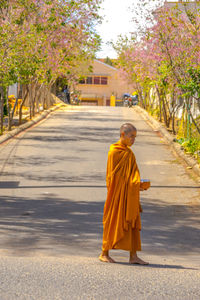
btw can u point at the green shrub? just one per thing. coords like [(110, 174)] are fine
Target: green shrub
[(191, 146)]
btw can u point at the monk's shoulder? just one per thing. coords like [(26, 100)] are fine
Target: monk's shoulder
[(113, 153), (115, 149), (131, 154)]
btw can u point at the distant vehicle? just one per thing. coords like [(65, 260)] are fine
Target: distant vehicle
[(75, 100), (134, 99), (127, 100)]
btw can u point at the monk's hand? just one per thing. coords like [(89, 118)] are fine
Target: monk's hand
[(141, 187), (140, 208)]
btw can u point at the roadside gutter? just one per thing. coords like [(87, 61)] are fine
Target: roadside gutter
[(5, 137)]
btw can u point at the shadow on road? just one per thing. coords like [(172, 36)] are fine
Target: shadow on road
[(157, 266), (61, 226), (15, 184), (170, 229), (49, 223)]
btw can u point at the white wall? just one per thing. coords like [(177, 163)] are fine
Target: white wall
[(12, 90)]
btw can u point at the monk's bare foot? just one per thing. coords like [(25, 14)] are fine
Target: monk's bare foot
[(106, 258), (137, 260)]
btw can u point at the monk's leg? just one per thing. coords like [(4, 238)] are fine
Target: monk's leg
[(104, 257), (134, 259)]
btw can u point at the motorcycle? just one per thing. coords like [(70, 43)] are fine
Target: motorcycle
[(75, 100), (127, 100), (134, 99)]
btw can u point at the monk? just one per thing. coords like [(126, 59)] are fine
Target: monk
[(121, 219)]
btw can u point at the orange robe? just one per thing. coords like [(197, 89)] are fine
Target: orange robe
[(121, 220)]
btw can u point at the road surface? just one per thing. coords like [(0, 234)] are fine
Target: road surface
[(51, 205)]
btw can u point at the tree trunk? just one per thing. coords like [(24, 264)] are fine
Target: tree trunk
[(48, 100), (44, 99), (173, 123), (141, 97), (30, 101), (22, 104), (33, 87), (165, 112), (8, 109), (193, 121), (38, 97), (13, 111), (1, 109), (160, 104)]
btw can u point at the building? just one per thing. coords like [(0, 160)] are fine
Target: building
[(97, 87)]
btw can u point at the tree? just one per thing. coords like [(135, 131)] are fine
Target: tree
[(162, 57), (41, 40)]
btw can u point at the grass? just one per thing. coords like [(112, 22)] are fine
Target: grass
[(191, 146)]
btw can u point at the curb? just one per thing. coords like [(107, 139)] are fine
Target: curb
[(190, 161), (5, 137)]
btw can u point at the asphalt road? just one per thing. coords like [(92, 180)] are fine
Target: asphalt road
[(52, 184)]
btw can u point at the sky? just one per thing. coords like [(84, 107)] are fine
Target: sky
[(117, 21)]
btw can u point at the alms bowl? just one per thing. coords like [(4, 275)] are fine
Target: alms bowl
[(145, 184)]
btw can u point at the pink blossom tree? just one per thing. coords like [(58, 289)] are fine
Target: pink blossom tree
[(42, 40), (163, 57)]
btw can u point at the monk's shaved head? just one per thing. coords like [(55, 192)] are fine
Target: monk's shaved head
[(126, 128)]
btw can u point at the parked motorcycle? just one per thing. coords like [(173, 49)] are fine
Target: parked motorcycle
[(75, 100), (134, 99), (127, 100)]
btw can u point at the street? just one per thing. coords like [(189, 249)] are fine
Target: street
[(51, 206)]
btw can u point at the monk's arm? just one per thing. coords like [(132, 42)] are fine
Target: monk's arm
[(108, 172)]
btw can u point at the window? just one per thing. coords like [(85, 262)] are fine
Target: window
[(89, 80), (97, 80), (101, 80), (104, 80)]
